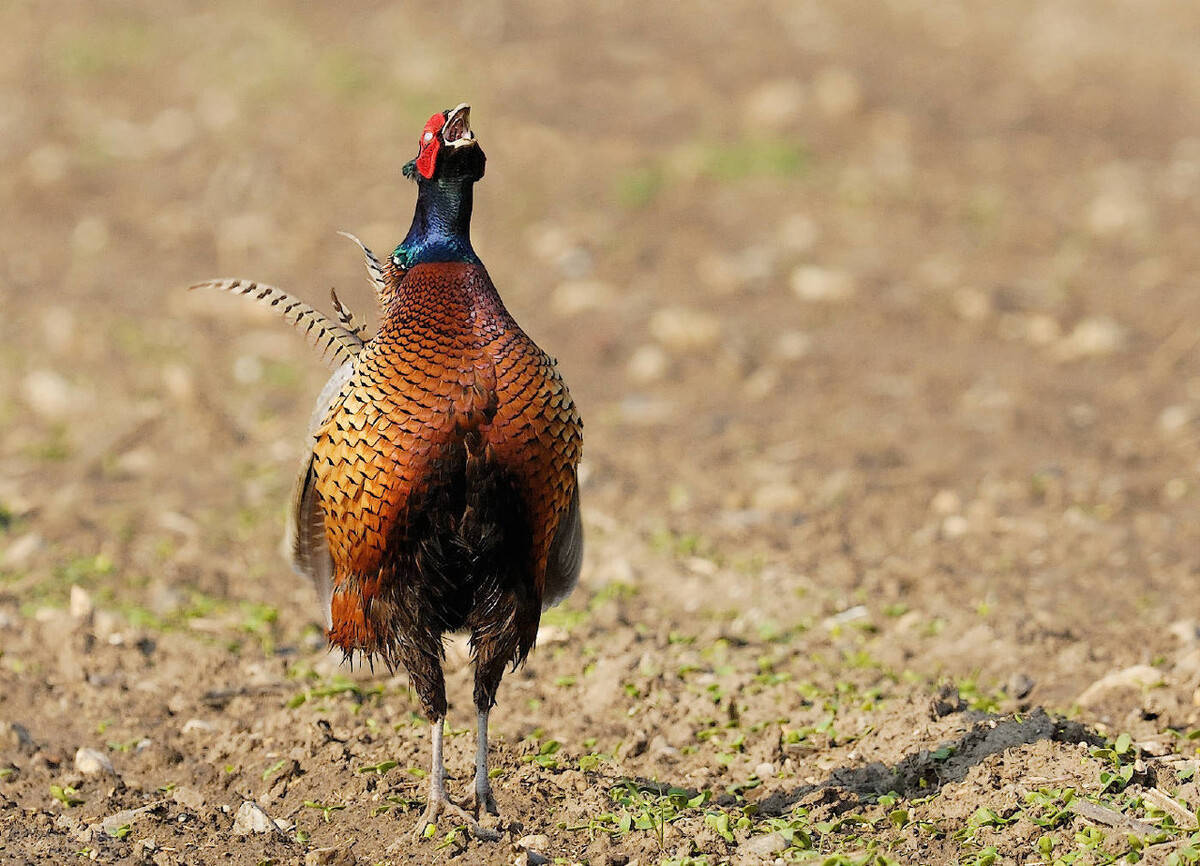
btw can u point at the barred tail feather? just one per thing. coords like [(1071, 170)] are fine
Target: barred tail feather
[(336, 343), (346, 317), (374, 268)]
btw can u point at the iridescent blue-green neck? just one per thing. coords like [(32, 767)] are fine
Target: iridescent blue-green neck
[(441, 226)]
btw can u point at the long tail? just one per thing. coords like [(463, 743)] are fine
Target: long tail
[(374, 268), (336, 343), (347, 319)]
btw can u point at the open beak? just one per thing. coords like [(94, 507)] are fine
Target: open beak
[(457, 131)]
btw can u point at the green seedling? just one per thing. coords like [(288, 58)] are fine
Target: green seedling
[(545, 755), (379, 769), (326, 810), (68, 796)]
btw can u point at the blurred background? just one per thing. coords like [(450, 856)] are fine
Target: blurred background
[(884, 310)]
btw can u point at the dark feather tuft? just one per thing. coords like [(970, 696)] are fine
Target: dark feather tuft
[(410, 169)]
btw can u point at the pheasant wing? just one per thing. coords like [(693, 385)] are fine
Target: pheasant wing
[(305, 540), (566, 554)]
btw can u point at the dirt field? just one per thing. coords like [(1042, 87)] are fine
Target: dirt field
[(883, 320)]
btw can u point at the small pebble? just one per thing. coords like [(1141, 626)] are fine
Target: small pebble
[(647, 364), (761, 846), (1186, 631), (853, 614), (955, 526), (579, 296), (108, 626), (1116, 212), (49, 394), (251, 818), (534, 841), (92, 763), (189, 798), (330, 857), (684, 329), (80, 607), (946, 502), (821, 285), (774, 105), (1174, 418), (1091, 338)]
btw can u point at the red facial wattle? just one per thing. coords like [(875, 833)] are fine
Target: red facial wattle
[(431, 143)]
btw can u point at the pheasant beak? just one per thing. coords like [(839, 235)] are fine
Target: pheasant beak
[(457, 131)]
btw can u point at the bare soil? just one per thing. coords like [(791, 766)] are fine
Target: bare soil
[(882, 317)]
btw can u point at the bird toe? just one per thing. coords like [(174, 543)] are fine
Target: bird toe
[(487, 803), (437, 808)]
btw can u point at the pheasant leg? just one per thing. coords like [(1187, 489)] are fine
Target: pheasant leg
[(484, 801), (439, 803)]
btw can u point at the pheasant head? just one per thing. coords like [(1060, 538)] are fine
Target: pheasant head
[(447, 149)]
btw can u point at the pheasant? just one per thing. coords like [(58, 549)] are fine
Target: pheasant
[(440, 493)]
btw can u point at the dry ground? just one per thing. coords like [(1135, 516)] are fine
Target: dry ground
[(883, 320)]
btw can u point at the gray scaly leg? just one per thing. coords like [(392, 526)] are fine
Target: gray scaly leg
[(439, 803), (484, 801)]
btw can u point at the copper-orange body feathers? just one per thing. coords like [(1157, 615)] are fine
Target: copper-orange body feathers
[(450, 383)]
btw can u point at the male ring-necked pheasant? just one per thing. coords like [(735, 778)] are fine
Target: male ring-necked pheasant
[(441, 493)]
